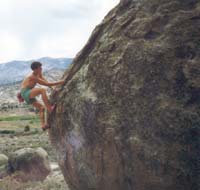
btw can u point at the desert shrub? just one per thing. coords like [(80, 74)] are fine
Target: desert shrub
[(7, 132), (26, 128)]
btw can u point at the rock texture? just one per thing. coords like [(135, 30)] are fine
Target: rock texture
[(128, 115), (3, 166), (30, 164)]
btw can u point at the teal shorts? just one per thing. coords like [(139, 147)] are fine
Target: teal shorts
[(25, 93)]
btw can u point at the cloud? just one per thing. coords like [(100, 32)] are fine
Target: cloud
[(57, 28), (10, 45)]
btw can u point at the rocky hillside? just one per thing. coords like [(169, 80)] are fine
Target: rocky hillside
[(128, 115), (15, 71)]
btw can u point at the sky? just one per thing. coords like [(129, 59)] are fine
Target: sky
[(31, 29)]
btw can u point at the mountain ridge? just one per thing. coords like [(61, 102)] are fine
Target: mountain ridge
[(15, 71)]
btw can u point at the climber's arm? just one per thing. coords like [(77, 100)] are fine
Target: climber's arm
[(46, 83), (42, 77)]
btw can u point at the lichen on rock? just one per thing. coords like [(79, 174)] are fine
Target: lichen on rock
[(128, 115)]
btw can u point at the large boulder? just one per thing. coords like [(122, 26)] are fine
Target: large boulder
[(3, 166), (128, 115), (30, 164)]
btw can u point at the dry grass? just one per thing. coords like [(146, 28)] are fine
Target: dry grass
[(51, 183)]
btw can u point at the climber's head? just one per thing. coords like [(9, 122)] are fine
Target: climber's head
[(36, 66)]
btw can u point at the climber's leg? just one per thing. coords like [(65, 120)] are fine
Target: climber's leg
[(41, 91), (41, 109)]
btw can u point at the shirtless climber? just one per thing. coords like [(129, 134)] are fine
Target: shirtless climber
[(28, 92)]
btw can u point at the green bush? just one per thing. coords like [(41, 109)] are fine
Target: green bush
[(19, 118)]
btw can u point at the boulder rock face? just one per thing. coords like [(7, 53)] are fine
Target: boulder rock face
[(30, 164), (128, 115)]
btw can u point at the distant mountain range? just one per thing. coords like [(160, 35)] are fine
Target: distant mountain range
[(15, 71)]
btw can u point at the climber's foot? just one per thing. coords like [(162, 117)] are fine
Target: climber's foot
[(45, 127), (55, 92), (52, 108)]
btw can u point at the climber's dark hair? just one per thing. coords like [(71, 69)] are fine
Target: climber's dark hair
[(35, 65)]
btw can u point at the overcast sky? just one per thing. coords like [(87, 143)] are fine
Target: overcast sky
[(31, 29)]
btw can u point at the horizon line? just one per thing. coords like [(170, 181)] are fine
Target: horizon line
[(32, 59)]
